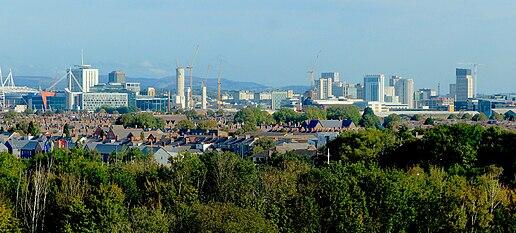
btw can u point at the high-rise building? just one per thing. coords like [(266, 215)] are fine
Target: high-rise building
[(390, 95), (452, 90), (204, 97), (335, 76), (324, 88), (86, 76), (464, 85), (117, 76), (405, 90), (393, 80), (180, 76), (374, 87), (360, 91)]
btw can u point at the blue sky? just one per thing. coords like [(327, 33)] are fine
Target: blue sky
[(272, 42)]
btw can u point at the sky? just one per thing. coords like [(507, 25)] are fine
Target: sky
[(269, 42)]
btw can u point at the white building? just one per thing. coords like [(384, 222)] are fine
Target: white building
[(86, 76), (204, 96), (180, 76), (405, 90), (324, 88), (335, 76), (134, 87), (374, 87), (92, 101), (464, 86)]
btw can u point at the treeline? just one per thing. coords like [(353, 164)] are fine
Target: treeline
[(453, 179)]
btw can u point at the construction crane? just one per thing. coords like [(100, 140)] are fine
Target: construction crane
[(219, 97), (189, 67), (475, 72), (311, 71)]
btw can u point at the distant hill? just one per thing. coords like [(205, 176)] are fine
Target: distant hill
[(164, 83)]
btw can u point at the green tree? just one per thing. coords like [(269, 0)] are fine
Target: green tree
[(416, 117), (350, 112), (207, 124), (227, 217), (143, 120), (66, 130), (496, 116), (429, 121), (315, 113), (251, 117), (185, 124), (33, 129), (392, 121), (286, 115), (262, 144), (369, 119)]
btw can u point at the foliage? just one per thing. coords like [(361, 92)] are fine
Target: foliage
[(392, 121), (143, 120), (207, 124), (185, 124), (344, 112), (416, 117), (369, 119), (429, 121), (315, 113), (262, 144), (251, 117), (455, 178), (287, 116)]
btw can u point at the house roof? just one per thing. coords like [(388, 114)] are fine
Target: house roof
[(31, 145), (109, 148)]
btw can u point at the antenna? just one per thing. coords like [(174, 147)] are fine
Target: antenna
[(82, 57)]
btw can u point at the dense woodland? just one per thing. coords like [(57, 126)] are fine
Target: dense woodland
[(458, 178)]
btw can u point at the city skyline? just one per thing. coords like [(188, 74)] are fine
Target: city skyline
[(275, 39)]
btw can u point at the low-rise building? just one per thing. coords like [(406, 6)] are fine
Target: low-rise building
[(92, 101)]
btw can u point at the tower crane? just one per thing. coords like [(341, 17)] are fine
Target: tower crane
[(219, 96), (311, 70), (189, 67)]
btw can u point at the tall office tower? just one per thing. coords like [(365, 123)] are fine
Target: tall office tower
[(464, 86), (117, 76), (393, 80), (390, 96), (86, 76), (374, 87), (324, 88), (180, 76), (335, 76), (204, 102), (426, 93), (360, 91), (452, 90), (405, 90)]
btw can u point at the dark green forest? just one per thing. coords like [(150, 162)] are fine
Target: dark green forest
[(458, 178)]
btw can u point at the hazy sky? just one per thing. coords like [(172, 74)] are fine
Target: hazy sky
[(272, 42)]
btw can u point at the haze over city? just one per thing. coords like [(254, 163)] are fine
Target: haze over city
[(270, 42)]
